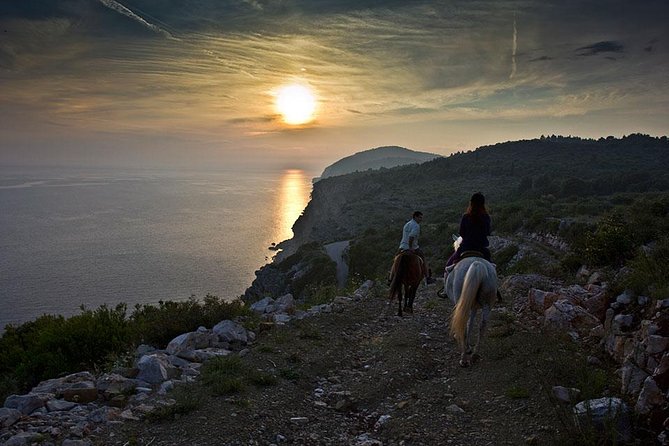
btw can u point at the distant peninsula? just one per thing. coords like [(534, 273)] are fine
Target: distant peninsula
[(377, 158)]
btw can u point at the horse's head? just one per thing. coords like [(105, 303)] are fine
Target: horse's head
[(457, 241)]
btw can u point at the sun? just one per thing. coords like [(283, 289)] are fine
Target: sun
[(296, 103)]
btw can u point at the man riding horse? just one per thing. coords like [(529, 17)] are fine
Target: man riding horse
[(409, 242)]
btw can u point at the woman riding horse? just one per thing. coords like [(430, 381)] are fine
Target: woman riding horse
[(474, 230)]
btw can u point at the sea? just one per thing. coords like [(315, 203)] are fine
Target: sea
[(72, 238)]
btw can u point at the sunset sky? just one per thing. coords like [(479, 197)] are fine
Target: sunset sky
[(193, 83)]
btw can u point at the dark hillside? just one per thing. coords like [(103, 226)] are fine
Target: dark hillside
[(553, 168)]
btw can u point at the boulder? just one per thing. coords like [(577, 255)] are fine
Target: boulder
[(656, 344), (633, 377), (26, 404), (651, 396), (265, 305), (285, 304), (60, 405), (153, 369), (191, 341), (565, 394), (281, 318), (56, 385), (230, 331), (112, 385), (563, 314), (625, 298), (540, 301), (601, 412), (596, 304), (622, 323), (9, 416), (661, 373), (82, 392), (203, 355)]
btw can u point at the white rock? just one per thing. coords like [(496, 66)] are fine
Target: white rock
[(454, 408), (383, 419), (152, 369), (281, 318), (565, 394), (632, 378), (656, 344), (26, 404), (204, 354), (191, 341), (650, 396), (624, 298), (600, 412), (366, 440), (9, 416), (563, 314), (230, 331), (643, 300), (285, 303), (265, 305), (622, 321), (59, 405), (299, 420)]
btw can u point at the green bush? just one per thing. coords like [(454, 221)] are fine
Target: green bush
[(51, 346), (158, 325), (649, 272), (610, 243)]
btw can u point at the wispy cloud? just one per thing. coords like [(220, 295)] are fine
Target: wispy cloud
[(116, 6), (601, 47), (514, 49)]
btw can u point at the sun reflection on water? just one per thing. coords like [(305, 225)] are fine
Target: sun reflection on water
[(293, 198)]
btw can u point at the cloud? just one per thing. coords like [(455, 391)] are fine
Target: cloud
[(608, 46), (514, 50), (116, 6)]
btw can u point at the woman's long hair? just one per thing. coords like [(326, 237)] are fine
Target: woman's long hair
[(476, 207)]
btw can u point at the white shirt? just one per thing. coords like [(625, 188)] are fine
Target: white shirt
[(411, 229)]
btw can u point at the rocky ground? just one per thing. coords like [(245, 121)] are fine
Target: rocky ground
[(363, 376)]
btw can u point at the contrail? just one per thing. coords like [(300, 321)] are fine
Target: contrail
[(116, 6), (513, 51)]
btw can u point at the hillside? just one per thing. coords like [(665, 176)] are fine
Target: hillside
[(380, 157), (558, 168)]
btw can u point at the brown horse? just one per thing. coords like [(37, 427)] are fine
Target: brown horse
[(407, 272)]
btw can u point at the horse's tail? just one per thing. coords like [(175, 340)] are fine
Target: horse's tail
[(463, 308), (400, 266)]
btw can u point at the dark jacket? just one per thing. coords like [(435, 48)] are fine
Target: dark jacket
[(474, 233)]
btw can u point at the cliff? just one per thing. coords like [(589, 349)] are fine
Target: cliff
[(380, 157)]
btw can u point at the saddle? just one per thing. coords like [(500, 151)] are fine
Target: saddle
[(464, 255)]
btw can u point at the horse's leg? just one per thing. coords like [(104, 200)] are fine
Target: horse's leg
[(399, 297), (485, 315), (410, 295), (465, 358)]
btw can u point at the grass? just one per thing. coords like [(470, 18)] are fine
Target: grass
[(289, 374), (229, 375), (187, 397), (517, 392)]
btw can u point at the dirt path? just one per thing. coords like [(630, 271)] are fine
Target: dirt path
[(364, 376)]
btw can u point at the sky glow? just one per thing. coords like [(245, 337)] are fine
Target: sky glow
[(191, 84)]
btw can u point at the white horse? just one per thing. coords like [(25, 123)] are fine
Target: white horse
[(471, 285)]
